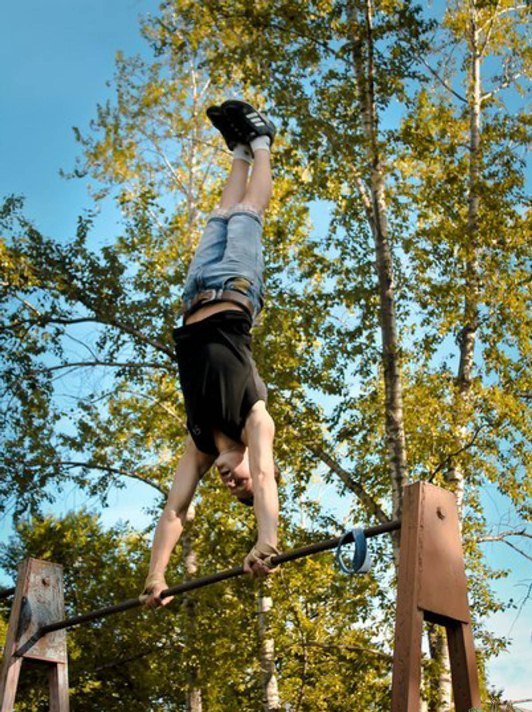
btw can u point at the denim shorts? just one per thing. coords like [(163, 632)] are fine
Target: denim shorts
[(229, 256)]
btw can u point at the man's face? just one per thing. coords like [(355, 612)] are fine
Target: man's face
[(233, 466)]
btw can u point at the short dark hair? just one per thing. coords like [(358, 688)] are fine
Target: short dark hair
[(248, 499)]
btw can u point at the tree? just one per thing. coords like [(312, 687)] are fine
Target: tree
[(358, 316), (468, 254), (107, 663), (314, 58), (115, 428)]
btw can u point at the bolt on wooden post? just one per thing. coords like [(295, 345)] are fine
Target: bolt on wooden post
[(38, 601)]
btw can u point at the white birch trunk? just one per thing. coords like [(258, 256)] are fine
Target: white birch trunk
[(468, 333), (373, 196), (271, 701), (193, 698), (442, 686)]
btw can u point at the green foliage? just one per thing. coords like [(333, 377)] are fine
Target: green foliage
[(317, 345), (143, 658)]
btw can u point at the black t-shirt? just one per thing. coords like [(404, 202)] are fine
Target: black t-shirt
[(218, 376)]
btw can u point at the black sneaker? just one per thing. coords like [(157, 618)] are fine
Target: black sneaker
[(221, 122), (247, 122)]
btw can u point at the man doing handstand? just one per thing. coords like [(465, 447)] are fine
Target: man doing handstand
[(225, 400)]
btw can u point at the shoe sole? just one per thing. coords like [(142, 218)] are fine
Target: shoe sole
[(247, 121), (220, 122)]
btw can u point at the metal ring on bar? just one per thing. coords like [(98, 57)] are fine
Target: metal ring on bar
[(360, 562)]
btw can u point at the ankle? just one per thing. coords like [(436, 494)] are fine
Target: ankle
[(243, 152), (261, 143)]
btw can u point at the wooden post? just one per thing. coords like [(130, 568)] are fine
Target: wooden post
[(38, 601), (432, 586)]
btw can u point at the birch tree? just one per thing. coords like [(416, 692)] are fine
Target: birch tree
[(469, 254), (152, 153), (419, 237)]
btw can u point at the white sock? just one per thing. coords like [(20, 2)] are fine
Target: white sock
[(261, 142), (243, 151)]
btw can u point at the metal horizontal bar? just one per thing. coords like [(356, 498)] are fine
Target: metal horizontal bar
[(201, 582)]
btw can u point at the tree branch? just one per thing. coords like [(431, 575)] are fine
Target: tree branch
[(502, 86), (351, 483), (502, 537), (159, 402), (113, 471), (135, 656), (106, 468), (452, 455), (521, 606), (137, 334), (491, 22), (43, 321), (160, 152), (442, 81), (114, 364), (280, 27), (350, 648), (82, 343)]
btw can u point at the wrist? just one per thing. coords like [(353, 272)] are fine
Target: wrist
[(268, 539), (154, 578), (267, 546)]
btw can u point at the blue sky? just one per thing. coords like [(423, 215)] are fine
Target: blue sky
[(56, 58)]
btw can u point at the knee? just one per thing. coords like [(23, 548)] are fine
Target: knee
[(253, 206)]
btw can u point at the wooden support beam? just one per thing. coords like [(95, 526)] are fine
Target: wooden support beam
[(432, 586), (38, 601)]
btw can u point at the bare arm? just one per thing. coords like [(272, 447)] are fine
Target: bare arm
[(260, 431), (192, 466)]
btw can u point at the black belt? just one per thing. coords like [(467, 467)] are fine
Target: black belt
[(217, 295)]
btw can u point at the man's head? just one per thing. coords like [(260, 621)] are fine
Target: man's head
[(233, 466)]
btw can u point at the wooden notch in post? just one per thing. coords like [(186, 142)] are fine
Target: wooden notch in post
[(38, 601), (432, 586)]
